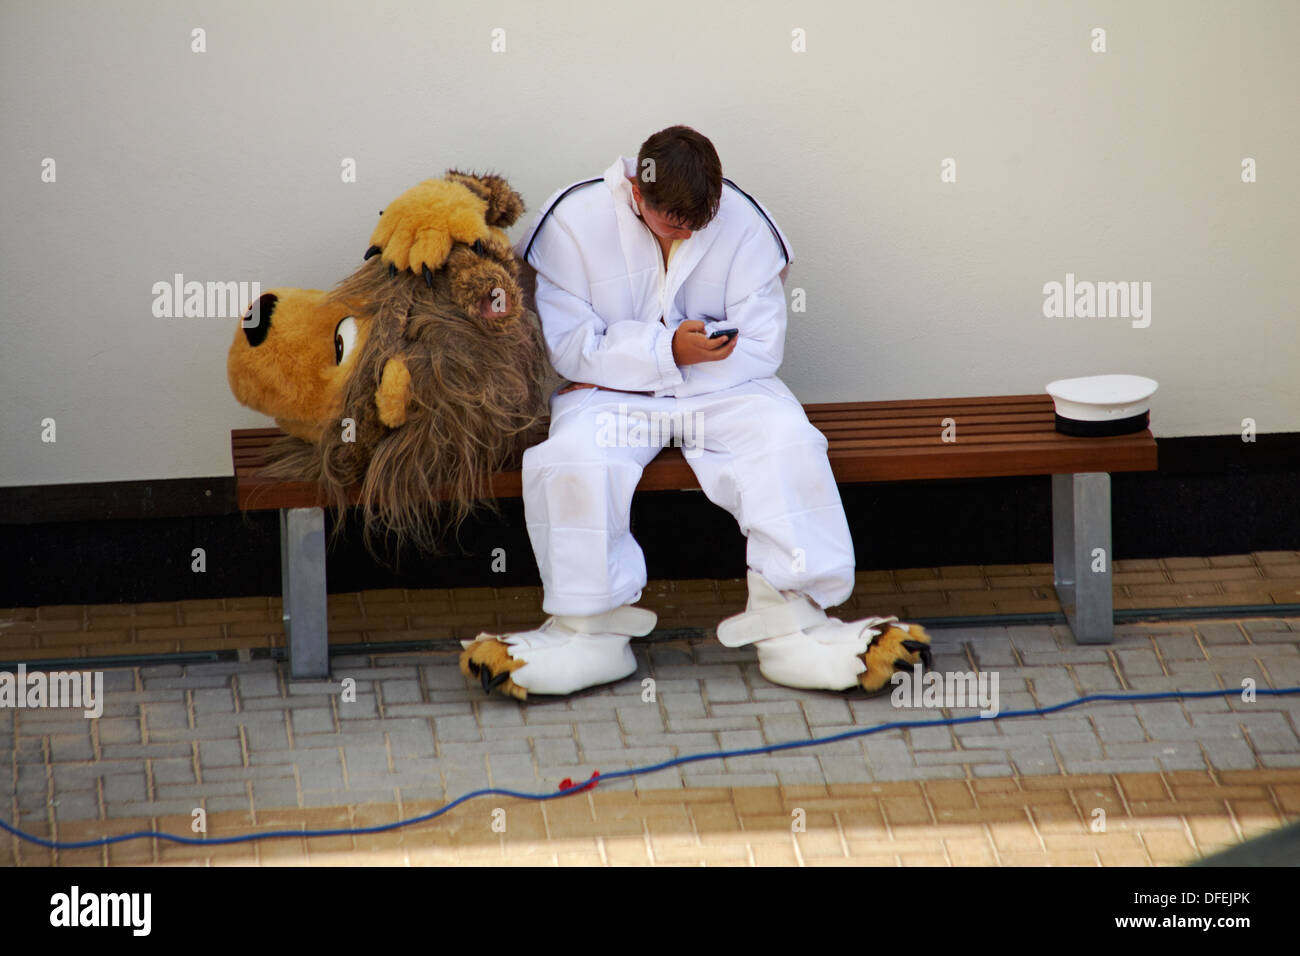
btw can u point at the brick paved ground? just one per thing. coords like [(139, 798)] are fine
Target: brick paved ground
[(32, 633), (1171, 781)]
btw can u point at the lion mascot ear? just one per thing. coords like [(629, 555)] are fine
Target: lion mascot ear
[(505, 206), (394, 393)]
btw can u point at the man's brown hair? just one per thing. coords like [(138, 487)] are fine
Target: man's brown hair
[(680, 176)]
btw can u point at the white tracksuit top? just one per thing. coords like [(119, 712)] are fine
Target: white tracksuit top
[(602, 287)]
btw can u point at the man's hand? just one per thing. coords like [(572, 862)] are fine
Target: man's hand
[(692, 345)]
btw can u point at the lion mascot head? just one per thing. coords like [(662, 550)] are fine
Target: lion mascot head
[(415, 379)]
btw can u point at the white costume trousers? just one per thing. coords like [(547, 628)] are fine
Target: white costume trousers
[(754, 453)]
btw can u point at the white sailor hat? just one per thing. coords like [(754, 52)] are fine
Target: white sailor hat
[(1097, 405)]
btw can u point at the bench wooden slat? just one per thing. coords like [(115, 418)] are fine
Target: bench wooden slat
[(1012, 413), (965, 426), (894, 440), (907, 442), (926, 414), (909, 405)]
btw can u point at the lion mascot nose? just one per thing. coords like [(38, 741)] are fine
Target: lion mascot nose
[(260, 313)]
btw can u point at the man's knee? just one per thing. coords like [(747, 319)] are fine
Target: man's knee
[(570, 443), (781, 422), (599, 437)]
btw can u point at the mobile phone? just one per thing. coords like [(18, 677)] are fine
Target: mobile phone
[(719, 333)]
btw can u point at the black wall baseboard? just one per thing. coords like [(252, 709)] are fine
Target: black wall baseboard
[(119, 500), (1215, 495)]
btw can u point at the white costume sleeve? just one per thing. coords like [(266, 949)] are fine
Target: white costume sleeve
[(610, 351), (758, 314)]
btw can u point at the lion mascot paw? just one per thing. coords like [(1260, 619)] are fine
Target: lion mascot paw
[(899, 648), (489, 662), (799, 645)]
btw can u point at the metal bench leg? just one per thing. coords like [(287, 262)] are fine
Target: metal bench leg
[(302, 579), (1081, 526)]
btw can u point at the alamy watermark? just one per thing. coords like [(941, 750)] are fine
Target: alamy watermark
[(77, 909), (922, 688), (638, 429), (1098, 300), (179, 299), (55, 689)]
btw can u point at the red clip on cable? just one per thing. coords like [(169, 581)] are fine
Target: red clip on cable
[(567, 784)]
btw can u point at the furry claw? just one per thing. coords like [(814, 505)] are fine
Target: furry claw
[(893, 651), (923, 649), (428, 276), (488, 662), (372, 251)]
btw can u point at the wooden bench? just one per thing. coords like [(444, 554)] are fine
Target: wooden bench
[(869, 441)]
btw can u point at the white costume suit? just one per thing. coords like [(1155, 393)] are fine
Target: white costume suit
[(601, 290)]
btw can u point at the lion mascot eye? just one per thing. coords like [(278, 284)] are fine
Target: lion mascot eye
[(345, 339)]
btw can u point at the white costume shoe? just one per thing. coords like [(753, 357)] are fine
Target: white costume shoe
[(799, 646), (566, 654)]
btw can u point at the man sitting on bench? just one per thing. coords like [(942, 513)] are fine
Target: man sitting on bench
[(659, 288)]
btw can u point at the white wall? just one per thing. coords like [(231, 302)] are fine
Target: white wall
[(1123, 165)]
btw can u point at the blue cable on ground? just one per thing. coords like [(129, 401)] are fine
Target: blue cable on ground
[(588, 784)]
